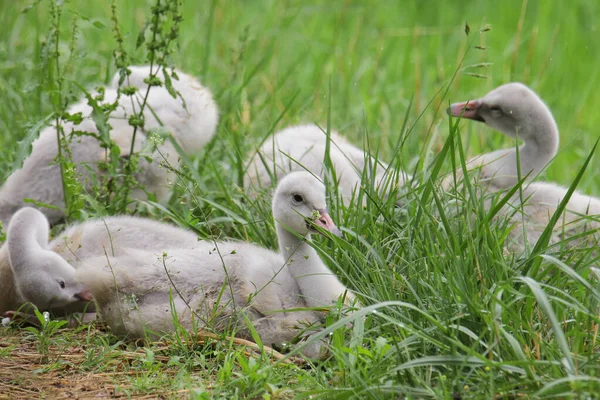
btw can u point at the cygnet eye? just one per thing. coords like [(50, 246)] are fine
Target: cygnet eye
[(297, 198), (496, 111), (62, 284)]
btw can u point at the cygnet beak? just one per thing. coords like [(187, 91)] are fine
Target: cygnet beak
[(84, 295), (325, 222), (468, 109)]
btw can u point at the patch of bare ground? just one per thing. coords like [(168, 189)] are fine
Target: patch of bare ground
[(75, 366)]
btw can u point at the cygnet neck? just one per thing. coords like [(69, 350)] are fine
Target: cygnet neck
[(27, 237), (294, 248), (318, 285), (540, 147)]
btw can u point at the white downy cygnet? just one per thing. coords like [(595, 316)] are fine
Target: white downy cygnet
[(216, 284), (517, 111), (303, 148), (192, 122), (31, 267)]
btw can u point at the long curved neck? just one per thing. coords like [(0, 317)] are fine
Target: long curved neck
[(27, 236), (533, 156), (540, 147), (319, 286)]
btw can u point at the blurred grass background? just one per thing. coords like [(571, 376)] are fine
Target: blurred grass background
[(263, 57), (380, 64)]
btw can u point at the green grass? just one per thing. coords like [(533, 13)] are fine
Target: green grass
[(449, 312)]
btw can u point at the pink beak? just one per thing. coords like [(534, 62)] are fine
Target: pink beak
[(468, 109), (84, 295), (325, 222)]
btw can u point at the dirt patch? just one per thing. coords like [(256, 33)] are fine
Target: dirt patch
[(84, 365), (56, 372)]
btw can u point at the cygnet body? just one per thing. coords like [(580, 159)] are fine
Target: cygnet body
[(191, 120), (215, 284), (303, 148), (541, 200)]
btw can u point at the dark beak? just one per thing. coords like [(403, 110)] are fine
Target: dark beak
[(468, 109), (325, 222)]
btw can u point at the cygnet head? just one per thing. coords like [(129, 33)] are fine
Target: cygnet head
[(51, 283), (512, 109), (41, 276), (299, 204)]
